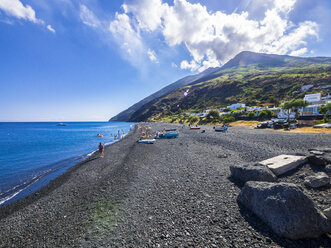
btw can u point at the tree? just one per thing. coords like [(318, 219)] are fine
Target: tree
[(251, 114), (227, 110), (194, 119), (213, 116), (228, 118), (325, 109), (294, 105), (265, 114)]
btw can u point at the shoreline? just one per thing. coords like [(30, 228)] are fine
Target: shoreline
[(55, 181), (174, 192)]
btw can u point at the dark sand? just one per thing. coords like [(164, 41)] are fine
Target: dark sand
[(172, 193)]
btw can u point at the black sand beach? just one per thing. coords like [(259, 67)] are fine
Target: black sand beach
[(173, 193)]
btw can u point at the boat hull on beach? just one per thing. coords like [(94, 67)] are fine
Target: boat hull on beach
[(146, 141), (169, 135)]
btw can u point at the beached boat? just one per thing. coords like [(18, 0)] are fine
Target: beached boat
[(146, 141), (221, 129), (168, 135), (194, 128), (323, 125), (170, 129)]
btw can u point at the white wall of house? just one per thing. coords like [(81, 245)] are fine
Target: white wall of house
[(313, 97), (310, 110), (236, 105)]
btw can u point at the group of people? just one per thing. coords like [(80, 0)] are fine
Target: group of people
[(101, 147)]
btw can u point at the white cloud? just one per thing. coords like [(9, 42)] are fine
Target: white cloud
[(127, 38), (16, 9), (212, 38), (173, 65), (49, 27), (299, 52), (88, 17), (152, 56)]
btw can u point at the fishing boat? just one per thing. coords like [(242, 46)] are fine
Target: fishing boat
[(146, 141), (194, 128), (168, 135), (100, 135), (323, 125), (170, 129), (61, 124), (221, 129)]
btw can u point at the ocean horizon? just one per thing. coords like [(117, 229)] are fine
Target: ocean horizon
[(34, 153)]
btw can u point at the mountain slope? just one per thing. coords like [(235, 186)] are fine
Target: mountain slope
[(249, 77), (126, 114)]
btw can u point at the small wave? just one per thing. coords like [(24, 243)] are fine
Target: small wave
[(22, 187), (90, 154)]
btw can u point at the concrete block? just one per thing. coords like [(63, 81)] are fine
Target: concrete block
[(284, 163)]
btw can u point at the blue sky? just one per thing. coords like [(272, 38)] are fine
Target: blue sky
[(80, 60)]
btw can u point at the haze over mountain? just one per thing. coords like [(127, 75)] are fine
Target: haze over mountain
[(250, 77), (126, 114)]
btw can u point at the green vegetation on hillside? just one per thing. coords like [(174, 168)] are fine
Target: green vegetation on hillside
[(250, 78), (246, 86)]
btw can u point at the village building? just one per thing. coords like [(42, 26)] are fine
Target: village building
[(236, 105)]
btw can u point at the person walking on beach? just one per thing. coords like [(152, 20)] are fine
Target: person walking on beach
[(101, 149)]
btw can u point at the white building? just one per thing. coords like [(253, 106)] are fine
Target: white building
[(236, 105), (316, 101), (310, 110), (313, 98), (255, 108)]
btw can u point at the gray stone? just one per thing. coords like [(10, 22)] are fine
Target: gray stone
[(327, 213), (285, 208), (316, 152), (252, 172), (318, 180), (302, 175), (320, 160), (327, 168), (283, 163), (321, 149)]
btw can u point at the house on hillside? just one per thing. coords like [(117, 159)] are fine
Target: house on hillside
[(313, 98), (236, 105), (315, 101)]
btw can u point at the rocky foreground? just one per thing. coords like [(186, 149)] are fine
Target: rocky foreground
[(176, 192)]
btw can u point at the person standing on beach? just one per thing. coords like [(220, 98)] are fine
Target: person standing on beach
[(101, 149)]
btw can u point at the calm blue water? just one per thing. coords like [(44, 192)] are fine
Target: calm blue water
[(32, 154)]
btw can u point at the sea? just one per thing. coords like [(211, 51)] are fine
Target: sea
[(34, 153)]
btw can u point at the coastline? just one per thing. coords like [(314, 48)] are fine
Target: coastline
[(55, 181), (175, 192)]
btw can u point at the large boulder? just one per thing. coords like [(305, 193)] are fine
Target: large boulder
[(327, 168), (318, 180), (252, 172), (285, 208), (327, 212)]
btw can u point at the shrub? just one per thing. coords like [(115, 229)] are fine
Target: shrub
[(265, 114), (213, 116), (227, 119), (251, 114)]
